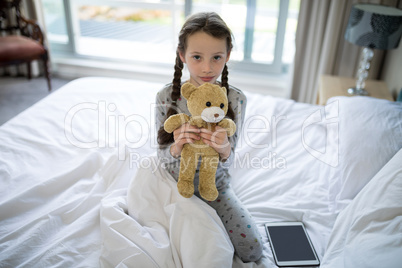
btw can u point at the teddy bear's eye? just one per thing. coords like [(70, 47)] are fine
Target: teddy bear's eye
[(208, 104), (222, 105)]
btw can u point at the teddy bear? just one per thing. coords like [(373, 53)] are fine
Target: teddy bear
[(208, 105)]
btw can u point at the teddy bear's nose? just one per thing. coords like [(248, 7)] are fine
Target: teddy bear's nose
[(216, 115)]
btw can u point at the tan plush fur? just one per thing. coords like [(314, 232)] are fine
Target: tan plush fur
[(207, 102)]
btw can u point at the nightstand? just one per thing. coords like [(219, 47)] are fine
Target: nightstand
[(331, 86)]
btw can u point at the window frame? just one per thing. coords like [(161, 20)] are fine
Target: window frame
[(245, 65)]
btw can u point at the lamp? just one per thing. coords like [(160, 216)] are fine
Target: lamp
[(372, 27)]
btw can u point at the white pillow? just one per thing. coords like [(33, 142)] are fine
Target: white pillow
[(370, 134), (368, 233)]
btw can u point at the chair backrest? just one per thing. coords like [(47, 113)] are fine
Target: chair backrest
[(12, 22), (10, 16)]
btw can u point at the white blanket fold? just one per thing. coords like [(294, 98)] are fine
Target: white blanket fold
[(156, 227)]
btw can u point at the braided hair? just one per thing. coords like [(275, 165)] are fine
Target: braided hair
[(209, 23)]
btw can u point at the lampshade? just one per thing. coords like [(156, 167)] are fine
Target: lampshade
[(374, 26)]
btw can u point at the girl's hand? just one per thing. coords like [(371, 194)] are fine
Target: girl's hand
[(184, 134), (217, 140)]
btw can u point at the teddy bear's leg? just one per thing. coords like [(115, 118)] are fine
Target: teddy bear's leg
[(188, 166), (207, 186)]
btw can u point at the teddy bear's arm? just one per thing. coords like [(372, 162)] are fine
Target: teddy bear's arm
[(175, 121), (197, 121), (229, 125)]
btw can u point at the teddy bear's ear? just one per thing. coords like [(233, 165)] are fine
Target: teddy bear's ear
[(224, 90), (187, 89)]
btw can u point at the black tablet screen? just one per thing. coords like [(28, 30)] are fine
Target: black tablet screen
[(290, 243)]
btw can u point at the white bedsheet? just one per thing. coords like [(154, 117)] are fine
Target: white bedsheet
[(68, 163), (58, 162)]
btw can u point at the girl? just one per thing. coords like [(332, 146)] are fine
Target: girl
[(205, 43)]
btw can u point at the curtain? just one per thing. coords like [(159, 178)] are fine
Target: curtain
[(322, 49)]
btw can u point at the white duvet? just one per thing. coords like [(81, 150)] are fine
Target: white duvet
[(80, 185), (166, 230)]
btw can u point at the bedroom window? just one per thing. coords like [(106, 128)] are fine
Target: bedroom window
[(146, 31), (56, 22)]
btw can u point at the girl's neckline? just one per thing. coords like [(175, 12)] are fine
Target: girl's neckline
[(216, 82)]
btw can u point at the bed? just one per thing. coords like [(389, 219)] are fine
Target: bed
[(81, 186)]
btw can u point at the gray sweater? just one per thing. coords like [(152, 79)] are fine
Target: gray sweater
[(237, 101)]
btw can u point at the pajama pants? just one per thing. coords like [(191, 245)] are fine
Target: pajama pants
[(239, 224)]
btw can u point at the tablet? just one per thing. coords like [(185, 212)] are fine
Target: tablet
[(290, 244)]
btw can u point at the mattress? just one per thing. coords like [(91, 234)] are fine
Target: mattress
[(81, 186)]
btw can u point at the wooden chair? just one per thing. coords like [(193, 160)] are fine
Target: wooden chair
[(21, 40)]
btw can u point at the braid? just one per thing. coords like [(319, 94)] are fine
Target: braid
[(176, 84), (224, 77), (165, 138), (225, 84)]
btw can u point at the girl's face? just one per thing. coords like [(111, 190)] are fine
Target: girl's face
[(205, 57)]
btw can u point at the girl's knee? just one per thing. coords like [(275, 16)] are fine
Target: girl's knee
[(250, 253)]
